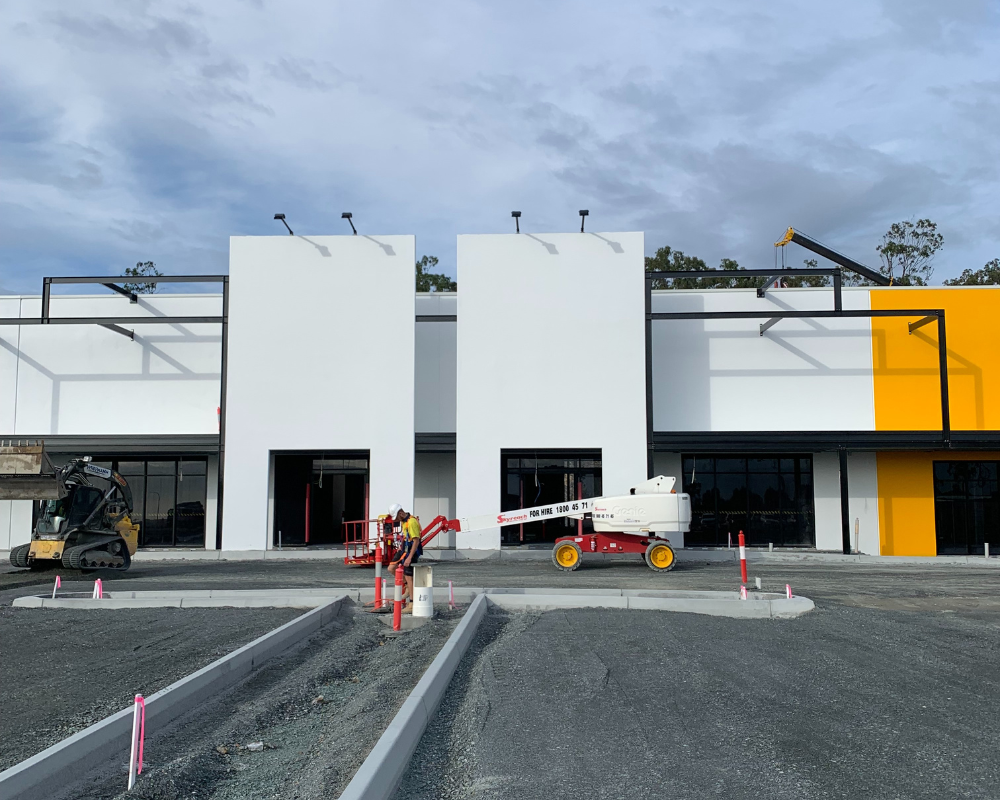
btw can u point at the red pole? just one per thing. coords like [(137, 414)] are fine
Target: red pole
[(743, 558), (378, 572), (579, 496), (308, 488), (397, 599)]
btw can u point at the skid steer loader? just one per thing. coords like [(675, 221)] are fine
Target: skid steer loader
[(79, 525)]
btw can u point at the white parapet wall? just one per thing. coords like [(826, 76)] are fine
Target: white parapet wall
[(550, 355), (321, 357)]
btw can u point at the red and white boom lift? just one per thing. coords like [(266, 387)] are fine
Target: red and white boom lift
[(632, 523)]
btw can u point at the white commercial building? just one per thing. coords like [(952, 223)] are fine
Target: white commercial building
[(328, 389)]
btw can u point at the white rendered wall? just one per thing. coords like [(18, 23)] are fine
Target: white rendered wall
[(85, 379), (722, 375), (863, 504), (310, 350), (434, 390), (434, 491), (550, 355)]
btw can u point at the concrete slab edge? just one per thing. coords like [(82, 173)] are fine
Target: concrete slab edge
[(379, 775), (760, 607), (58, 766)]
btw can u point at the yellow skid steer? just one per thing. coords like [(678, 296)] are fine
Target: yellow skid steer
[(83, 515)]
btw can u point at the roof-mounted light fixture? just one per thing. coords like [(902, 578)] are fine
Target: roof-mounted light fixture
[(282, 218), (517, 221), (583, 216), (347, 215)]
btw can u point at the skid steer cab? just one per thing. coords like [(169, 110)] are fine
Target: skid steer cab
[(83, 516)]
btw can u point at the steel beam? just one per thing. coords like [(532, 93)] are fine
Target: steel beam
[(762, 289), (114, 287), (157, 279), (223, 396), (738, 273), (437, 318), (921, 322), (649, 375), (117, 329), (110, 320), (765, 325)]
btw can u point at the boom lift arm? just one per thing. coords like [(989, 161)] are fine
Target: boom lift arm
[(799, 238)]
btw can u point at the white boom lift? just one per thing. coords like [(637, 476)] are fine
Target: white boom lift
[(632, 523)]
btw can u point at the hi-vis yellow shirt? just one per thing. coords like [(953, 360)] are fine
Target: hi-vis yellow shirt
[(412, 528)]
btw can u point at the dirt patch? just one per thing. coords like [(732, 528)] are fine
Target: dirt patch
[(62, 670), (316, 714)]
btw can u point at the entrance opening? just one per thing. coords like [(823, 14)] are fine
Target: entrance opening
[(967, 506), (769, 498), (540, 477), (315, 492)]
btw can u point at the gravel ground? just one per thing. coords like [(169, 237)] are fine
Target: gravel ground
[(841, 703), (62, 670), (312, 746)]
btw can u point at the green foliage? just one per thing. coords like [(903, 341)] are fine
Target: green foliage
[(907, 250), (798, 281), (989, 275), (669, 260), (142, 269), (433, 281)]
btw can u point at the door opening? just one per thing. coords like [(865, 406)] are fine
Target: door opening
[(540, 477), (315, 492)]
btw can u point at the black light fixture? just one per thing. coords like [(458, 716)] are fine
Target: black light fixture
[(583, 216), (517, 221), (282, 218), (347, 215)]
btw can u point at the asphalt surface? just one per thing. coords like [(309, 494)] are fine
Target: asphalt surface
[(62, 670), (844, 702)]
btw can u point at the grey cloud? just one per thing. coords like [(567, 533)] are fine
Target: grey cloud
[(305, 73), (166, 37)]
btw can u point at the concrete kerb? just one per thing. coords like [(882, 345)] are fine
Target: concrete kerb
[(381, 772), (61, 765)]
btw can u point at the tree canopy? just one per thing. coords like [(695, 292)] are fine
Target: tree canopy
[(907, 250), (142, 269), (989, 275), (669, 260), (433, 281)]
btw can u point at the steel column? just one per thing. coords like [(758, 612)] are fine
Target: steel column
[(943, 371), (845, 504), (222, 411), (649, 376)]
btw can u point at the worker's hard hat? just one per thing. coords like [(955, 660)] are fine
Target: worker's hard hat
[(394, 509)]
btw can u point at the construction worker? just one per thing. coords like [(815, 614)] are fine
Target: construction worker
[(410, 551)]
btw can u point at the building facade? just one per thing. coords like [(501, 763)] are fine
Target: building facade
[(318, 388)]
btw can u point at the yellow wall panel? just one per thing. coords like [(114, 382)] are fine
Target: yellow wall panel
[(905, 366), (906, 499)]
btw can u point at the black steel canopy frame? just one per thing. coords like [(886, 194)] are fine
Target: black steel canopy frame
[(115, 324), (924, 317)]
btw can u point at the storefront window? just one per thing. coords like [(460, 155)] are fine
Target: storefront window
[(967, 506), (769, 498)]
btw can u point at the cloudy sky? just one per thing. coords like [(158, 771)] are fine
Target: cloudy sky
[(155, 130)]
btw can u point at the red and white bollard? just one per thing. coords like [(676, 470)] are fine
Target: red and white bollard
[(743, 558), (378, 573), (98, 590), (397, 599), (743, 593), (788, 591), (451, 596), (55, 586), (138, 734)]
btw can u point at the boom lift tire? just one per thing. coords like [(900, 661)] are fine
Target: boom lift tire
[(660, 557), (567, 556)]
